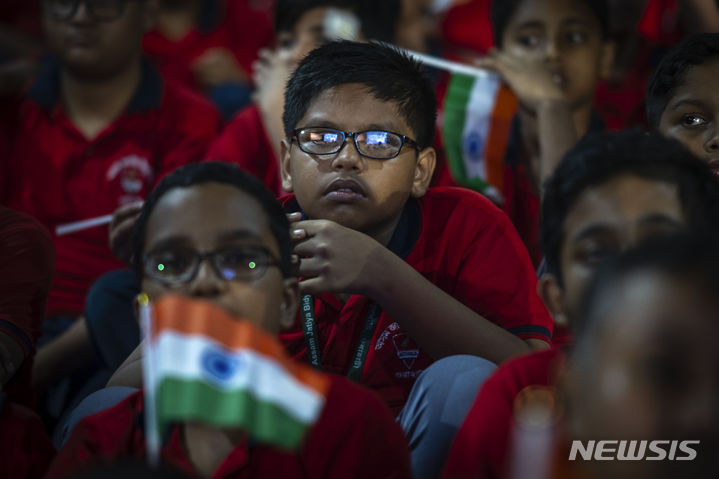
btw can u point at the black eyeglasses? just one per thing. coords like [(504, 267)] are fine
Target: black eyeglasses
[(175, 267), (100, 10), (376, 144)]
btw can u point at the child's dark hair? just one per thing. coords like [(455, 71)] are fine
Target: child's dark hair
[(378, 18), (599, 158), (215, 172), (388, 74), (691, 258), (670, 72), (502, 11)]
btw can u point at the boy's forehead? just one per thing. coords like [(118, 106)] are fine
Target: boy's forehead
[(554, 11), (663, 309), (624, 201), (208, 212), (353, 107), (697, 83)]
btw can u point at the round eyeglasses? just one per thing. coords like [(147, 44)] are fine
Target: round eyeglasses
[(376, 144), (175, 267)]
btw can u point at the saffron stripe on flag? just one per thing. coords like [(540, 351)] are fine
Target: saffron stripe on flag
[(195, 357)]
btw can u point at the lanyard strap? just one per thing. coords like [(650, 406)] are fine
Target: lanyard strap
[(309, 325)]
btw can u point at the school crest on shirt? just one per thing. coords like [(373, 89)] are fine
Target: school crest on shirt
[(405, 348), (133, 173)]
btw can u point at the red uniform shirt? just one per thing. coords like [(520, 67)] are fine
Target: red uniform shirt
[(482, 445), (25, 448), (58, 176), (464, 245), (245, 143), (354, 437), (235, 25), (27, 261)]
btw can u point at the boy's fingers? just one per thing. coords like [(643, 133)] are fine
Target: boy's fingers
[(294, 217), (313, 286), (128, 209), (306, 248), (310, 268), (298, 234)]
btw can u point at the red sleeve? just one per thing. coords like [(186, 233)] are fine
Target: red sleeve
[(244, 142), (25, 448), (497, 278), (104, 436), (249, 25), (482, 444), (188, 128), (27, 262), (356, 437)]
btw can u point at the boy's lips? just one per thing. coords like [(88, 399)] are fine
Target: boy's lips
[(714, 165), (344, 190)]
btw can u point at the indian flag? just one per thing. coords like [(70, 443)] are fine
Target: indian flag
[(477, 119), (203, 365)]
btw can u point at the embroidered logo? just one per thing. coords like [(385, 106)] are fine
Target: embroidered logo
[(133, 172), (407, 349)]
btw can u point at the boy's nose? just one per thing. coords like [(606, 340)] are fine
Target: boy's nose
[(348, 157), (205, 284), (552, 49), (712, 144), (82, 13)]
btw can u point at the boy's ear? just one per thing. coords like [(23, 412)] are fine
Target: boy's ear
[(285, 171), (423, 171), (290, 302), (552, 294), (607, 60)]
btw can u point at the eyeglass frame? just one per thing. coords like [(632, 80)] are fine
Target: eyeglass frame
[(90, 10), (199, 257), (353, 135)]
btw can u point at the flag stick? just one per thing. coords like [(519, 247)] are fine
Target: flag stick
[(152, 435), (82, 225), (450, 66)]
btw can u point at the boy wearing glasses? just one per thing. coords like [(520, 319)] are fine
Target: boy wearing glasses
[(394, 275), (238, 257), (95, 132)]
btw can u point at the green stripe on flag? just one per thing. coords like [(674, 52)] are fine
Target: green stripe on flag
[(192, 400), (455, 116)]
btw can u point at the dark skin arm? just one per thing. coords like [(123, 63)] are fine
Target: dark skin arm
[(336, 259)]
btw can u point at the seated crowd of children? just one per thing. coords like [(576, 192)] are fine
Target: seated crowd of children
[(371, 277)]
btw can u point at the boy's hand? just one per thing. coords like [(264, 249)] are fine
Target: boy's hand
[(123, 220), (218, 66), (271, 72), (534, 82), (335, 259)]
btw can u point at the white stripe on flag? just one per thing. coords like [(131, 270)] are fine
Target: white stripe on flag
[(181, 356), (477, 124)]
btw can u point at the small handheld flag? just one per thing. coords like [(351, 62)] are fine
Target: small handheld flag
[(203, 365)]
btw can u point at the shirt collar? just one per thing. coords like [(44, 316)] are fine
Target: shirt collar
[(46, 89), (210, 16)]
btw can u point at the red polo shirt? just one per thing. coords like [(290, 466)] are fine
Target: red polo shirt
[(355, 437), (25, 448), (245, 143), (464, 245), (27, 260), (483, 445), (58, 176), (241, 27)]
